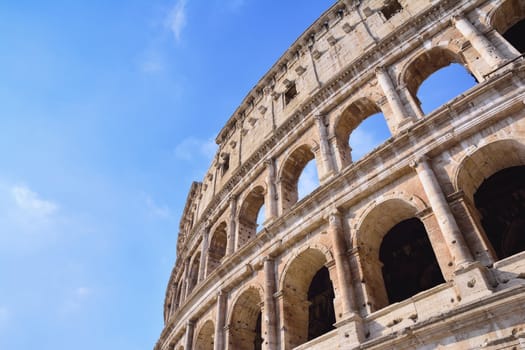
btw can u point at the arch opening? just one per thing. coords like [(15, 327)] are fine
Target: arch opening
[(308, 298), (500, 201), (437, 88), (360, 128), (204, 340), (217, 248), (308, 180), (295, 167), (514, 35), (246, 326), (321, 313), (369, 134), (409, 263), (509, 21), (248, 215), (194, 272), (428, 64)]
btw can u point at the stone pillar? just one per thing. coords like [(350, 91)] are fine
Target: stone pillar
[(344, 278), (271, 200), (232, 227), (185, 274), (220, 321), (326, 156), (204, 254), (414, 102), (279, 299), (341, 159), (446, 221), (398, 111), (270, 317), (188, 341), (478, 41)]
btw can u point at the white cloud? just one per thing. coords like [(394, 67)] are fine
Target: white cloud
[(176, 20), (152, 62), (31, 203), (308, 181), (157, 210), (191, 147)]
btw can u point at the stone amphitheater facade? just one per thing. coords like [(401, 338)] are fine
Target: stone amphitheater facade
[(418, 245)]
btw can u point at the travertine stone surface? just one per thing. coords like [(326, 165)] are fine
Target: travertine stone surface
[(236, 285)]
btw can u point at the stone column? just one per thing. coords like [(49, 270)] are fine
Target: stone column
[(271, 200), (279, 299), (326, 156), (446, 221), (232, 227), (398, 111), (414, 102), (204, 254), (185, 276), (270, 318), (478, 41), (188, 341), (344, 278), (220, 321)]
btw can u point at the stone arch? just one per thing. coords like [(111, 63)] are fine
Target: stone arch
[(248, 212), (193, 276), (179, 295), (217, 247), (374, 224), (479, 163), (245, 324), (509, 17), (348, 121), (307, 313), (424, 64), (477, 176), (290, 172), (205, 333)]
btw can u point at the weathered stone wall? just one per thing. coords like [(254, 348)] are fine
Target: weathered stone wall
[(235, 285)]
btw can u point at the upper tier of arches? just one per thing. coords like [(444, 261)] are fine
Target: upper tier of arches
[(270, 183)]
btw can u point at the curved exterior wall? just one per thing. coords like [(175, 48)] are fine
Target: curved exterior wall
[(358, 58)]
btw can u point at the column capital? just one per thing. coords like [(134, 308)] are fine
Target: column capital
[(419, 160), (380, 69), (319, 117), (334, 217), (458, 16)]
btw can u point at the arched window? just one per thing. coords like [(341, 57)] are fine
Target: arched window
[(428, 63), (204, 340), (217, 248), (293, 167), (308, 181), (248, 214), (438, 88), (509, 21), (409, 263), (371, 133), (321, 313), (245, 323), (501, 202), (308, 298), (360, 128), (194, 272)]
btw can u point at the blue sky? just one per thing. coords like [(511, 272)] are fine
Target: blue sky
[(108, 112)]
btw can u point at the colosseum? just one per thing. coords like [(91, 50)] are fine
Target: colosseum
[(418, 244)]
